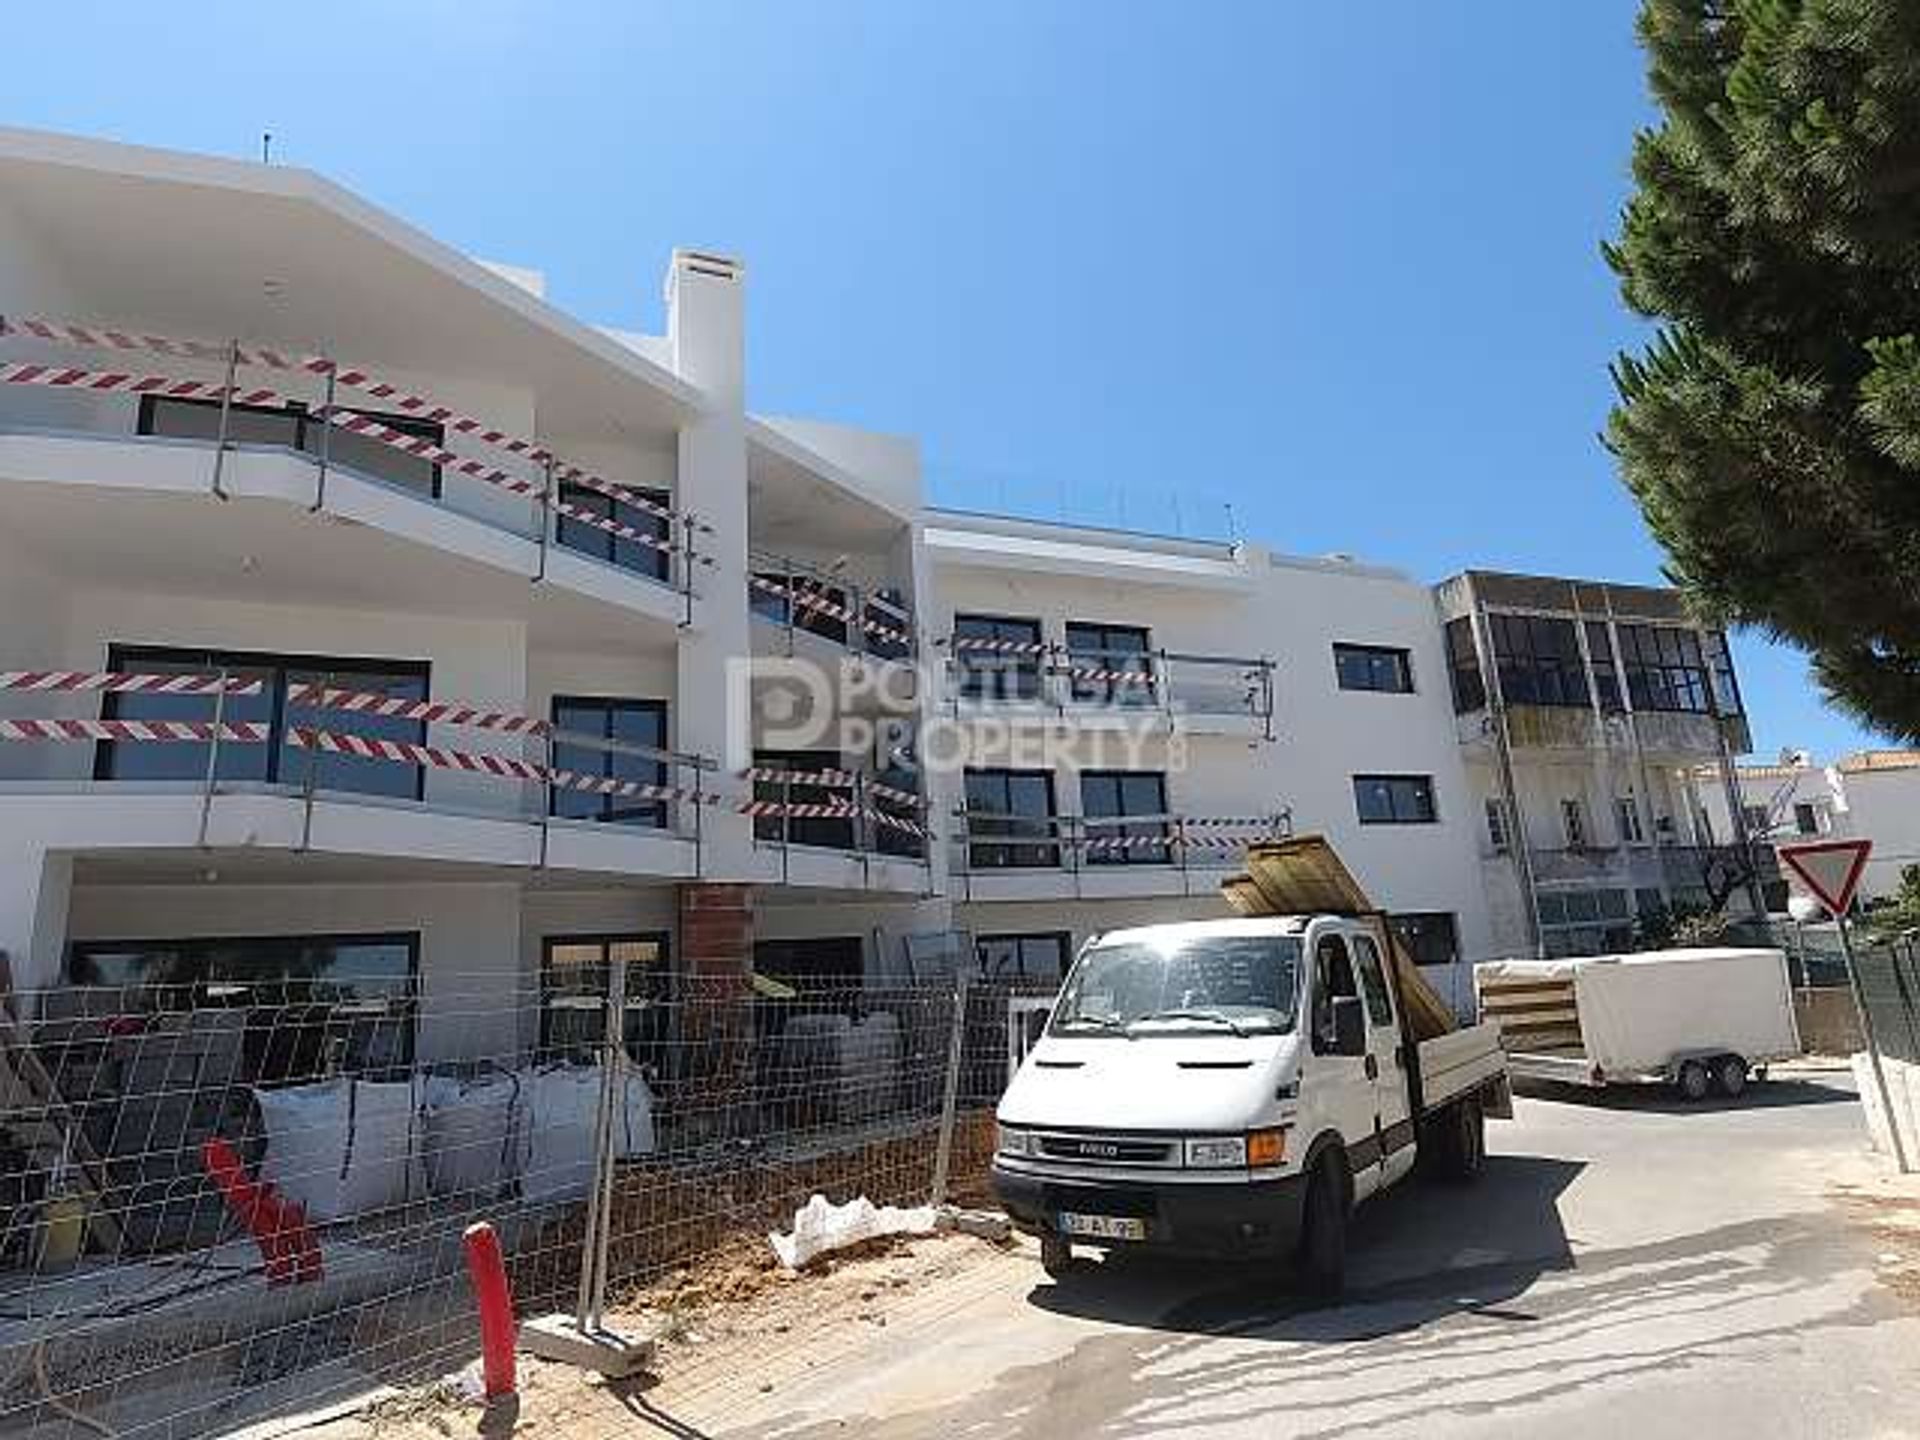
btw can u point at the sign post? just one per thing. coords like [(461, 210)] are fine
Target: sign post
[(1830, 870)]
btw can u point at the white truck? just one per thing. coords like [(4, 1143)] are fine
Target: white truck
[(1235, 1088), (1699, 1020)]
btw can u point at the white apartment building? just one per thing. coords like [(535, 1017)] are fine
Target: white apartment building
[(1867, 795), (365, 618)]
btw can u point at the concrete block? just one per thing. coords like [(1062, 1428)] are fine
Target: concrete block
[(983, 1224), (609, 1352)]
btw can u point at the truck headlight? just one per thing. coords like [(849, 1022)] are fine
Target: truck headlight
[(1009, 1141), (1223, 1152)]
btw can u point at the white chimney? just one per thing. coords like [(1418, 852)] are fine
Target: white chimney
[(706, 323)]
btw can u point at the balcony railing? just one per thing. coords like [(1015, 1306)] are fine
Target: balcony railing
[(321, 742), (991, 842), (1064, 678), (866, 620), (226, 399), (838, 810)]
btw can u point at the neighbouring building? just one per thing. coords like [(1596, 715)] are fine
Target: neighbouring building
[(1867, 795), (369, 621)]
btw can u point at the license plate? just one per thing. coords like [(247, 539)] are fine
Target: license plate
[(1103, 1227)]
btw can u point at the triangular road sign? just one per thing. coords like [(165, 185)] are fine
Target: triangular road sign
[(1830, 869)]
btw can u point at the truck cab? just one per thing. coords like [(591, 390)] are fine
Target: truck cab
[(1231, 1088)]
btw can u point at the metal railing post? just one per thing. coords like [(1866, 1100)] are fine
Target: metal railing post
[(312, 776), (865, 830), (689, 558), (546, 518), (546, 792), (326, 441), (226, 417), (599, 1231), (213, 757), (950, 1100), (699, 818)]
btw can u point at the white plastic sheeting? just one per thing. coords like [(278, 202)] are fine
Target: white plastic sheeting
[(820, 1226), (1637, 1012)]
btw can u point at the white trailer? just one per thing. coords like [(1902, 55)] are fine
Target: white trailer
[(1700, 1020)]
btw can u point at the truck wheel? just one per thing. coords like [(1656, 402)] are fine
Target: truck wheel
[(1730, 1076), (1056, 1256), (1323, 1234), (1693, 1082)]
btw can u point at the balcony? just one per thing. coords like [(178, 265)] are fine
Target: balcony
[(317, 441), (231, 763), (1678, 735), (812, 610), (1205, 693), (840, 829), (1677, 868), (1047, 857)]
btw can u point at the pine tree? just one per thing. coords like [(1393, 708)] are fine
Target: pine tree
[(1771, 431)]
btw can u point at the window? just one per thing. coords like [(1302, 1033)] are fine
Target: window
[(1538, 659), (278, 761), (1432, 937), (1373, 981), (1756, 818), (1024, 957), (591, 540), (575, 975), (1627, 812), (784, 609), (1573, 823), (293, 428), (1584, 922), (1332, 980), (326, 1003), (989, 672), (1394, 799), (1373, 667), (1115, 649), (1108, 793), (832, 832), (1017, 805), (1497, 832), (1665, 669), (1606, 676), (1806, 819), (1726, 689), (638, 723), (1463, 667)]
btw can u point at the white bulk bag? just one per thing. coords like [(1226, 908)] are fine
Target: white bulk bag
[(469, 1134), (341, 1148), (559, 1110)]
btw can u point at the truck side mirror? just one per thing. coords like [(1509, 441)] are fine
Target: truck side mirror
[(1349, 1026)]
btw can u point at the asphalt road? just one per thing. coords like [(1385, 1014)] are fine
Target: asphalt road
[(1626, 1267)]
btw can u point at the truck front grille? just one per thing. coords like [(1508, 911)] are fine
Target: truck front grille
[(1108, 1150)]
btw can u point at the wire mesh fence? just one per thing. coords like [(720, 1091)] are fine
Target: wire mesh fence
[(222, 1200), (1890, 995)]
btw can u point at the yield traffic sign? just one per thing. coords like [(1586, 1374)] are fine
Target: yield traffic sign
[(1830, 869)]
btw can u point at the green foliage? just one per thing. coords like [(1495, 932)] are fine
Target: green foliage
[(1771, 430), (1681, 927), (1901, 911)]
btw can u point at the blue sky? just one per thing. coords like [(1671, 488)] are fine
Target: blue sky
[(1335, 267)]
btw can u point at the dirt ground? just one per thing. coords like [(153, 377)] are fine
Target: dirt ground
[(732, 1329)]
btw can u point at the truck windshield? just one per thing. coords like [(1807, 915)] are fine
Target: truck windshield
[(1247, 984)]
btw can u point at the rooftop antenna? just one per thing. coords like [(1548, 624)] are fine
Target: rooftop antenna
[(1233, 530), (266, 147)]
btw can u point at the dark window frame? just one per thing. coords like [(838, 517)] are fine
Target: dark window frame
[(1093, 648), (1412, 929), (1015, 852), (1397, 785), (1667, 670), (603, 545), (1062, 940), (1398, 661), (1538, 660), (613, 809), (1158, 854), (825, 832), (303, 423), (1464, 676), (340, 670), (979, 670), (655, 1049)]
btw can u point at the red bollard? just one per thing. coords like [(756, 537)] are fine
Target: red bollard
[(279, 1225), (497, 1331)]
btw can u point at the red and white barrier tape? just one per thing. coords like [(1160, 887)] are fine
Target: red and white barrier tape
[(404, 401), (828, 810), (126, 382), (245, 732), (444, 712), (838, 779), (119, 682), (503, 766), (1126, 677), (1001, 647), (806, 600)]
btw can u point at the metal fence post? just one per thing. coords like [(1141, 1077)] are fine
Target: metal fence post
[(326, 440), (1865, 1012), (599, 1230), (226, 418), (950, 1101)]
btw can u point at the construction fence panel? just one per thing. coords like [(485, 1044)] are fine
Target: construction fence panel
[(233, 1184)]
